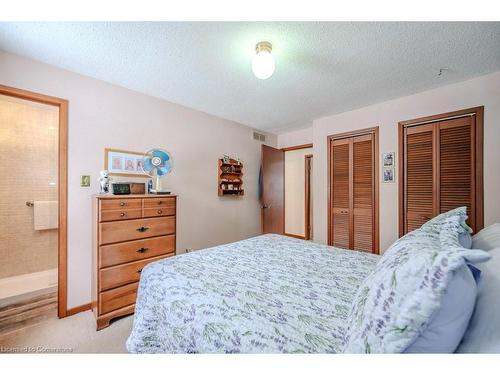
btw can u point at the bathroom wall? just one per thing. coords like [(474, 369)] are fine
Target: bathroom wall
[(28, 170)]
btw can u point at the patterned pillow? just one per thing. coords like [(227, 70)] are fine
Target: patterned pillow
[(396, 301), (436, 223)]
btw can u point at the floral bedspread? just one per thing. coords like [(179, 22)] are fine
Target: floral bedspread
[(267, 294)]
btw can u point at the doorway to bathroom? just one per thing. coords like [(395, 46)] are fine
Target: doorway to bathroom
[(33, 206)]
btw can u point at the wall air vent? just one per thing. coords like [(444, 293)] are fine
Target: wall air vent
[(259, 137)]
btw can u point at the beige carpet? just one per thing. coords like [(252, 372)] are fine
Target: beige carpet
[(75, 334)]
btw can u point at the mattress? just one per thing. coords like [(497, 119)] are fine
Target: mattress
[(267, 294)]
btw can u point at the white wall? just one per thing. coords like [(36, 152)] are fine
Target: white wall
[(295, 191), (296, 137), (476, 92), (103, 115)]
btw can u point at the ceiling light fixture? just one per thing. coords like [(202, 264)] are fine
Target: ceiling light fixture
[(263, 62)]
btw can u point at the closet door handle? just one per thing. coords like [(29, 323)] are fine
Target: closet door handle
[(142, 229), (142, 250)]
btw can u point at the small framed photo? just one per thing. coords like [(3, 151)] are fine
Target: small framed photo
[(388, 159), (123, 163), (388, 175)]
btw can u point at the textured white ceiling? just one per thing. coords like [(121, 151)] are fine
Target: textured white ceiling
[(321, 68)]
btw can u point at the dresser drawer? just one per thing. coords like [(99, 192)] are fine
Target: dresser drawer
[(116, 298), (126, 230), (125, 274), (159, 211), (120, 204), (112, 215), (111, 255), (160, 202)]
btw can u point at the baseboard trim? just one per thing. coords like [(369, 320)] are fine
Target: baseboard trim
[(295, 236), (78, 309)]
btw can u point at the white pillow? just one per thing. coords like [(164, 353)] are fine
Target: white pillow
[(488, 238), (483, 333)]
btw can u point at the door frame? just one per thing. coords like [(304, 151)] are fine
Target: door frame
[(285, 149), (307, 196), (62, 104), (374, 131), (478, 147)]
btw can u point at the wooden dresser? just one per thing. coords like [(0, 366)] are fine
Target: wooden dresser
[(130, 231)]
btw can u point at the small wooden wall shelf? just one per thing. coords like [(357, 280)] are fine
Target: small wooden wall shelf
[(230, 182)]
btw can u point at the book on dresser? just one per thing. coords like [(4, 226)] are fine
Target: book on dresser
[(129, 232)]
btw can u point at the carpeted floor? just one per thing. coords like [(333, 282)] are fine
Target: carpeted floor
[(75, 334)]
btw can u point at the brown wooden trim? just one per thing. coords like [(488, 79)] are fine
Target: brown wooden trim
[(478, 147), (376, 181), (295, 236), (374, 131), (442, 116), (62, 104), (78, 309), (307, 196), (401, 177), (299, 147)]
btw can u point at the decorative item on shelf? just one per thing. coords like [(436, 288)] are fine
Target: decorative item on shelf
[(230, 177), (157, 163), (104, 181)]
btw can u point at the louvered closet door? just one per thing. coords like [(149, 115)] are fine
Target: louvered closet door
[(340, 192), (456, 165), (419, 177), (363, 193), (440, 172)]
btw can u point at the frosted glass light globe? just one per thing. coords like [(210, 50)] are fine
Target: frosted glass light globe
[(263, 65)]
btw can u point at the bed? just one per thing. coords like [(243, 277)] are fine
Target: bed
[(429, 292), (271, 294)]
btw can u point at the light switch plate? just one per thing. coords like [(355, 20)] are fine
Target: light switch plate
[(84, 181)]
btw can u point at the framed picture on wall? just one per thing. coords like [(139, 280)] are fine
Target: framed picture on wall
[(388, 159), (123, 163), (388, 175)]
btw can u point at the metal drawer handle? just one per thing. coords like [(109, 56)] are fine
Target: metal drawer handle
[(160, 212), (139, 271), (122, 214), (142, 250), (142, 229), (122, 204)]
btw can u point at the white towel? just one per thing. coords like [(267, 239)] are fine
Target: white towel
[(45, 215)]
